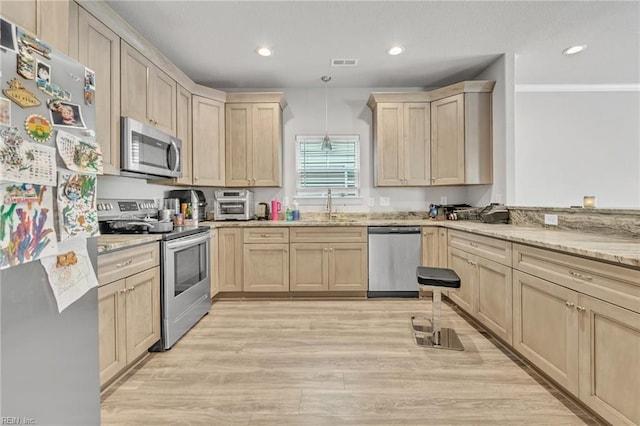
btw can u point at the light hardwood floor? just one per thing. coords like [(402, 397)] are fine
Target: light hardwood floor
[(331, 362)]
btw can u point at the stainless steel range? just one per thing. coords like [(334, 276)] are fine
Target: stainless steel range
[(185, 269)]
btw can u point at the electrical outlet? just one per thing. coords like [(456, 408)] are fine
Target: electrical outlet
[(384, 201), (551, 219), (372, 201), (443, 200), (285, 201)]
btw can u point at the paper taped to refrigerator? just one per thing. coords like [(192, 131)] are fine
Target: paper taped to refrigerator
[(77, 212), (70, 272)]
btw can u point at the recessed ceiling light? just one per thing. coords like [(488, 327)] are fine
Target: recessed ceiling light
[(395, 50), (263, 51), (574, 49)]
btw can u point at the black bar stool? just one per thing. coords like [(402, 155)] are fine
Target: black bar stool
[(433, 335)]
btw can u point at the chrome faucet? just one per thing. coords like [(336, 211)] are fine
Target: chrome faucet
[(330, 214)]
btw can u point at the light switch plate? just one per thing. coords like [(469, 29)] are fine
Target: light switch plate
[(551, 219), (384, 201), (443, 200), (372, 201)]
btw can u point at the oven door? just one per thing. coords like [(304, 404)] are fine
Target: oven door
[(233, 208), (185, 285)]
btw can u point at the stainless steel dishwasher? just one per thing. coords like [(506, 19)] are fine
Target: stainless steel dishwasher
[(394, 255)]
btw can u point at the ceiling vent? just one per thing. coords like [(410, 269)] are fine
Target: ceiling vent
[(344, 62)]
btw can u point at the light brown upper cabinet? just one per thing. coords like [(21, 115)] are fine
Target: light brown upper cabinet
[(208, 141), (441, 137), (401, 139), (461, 134), (99, 49), (48, 20), (147, 93), (254, 139), (184, 133)]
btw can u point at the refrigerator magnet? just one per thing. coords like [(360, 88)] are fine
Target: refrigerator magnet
[(5, 112), (38, 127), (21, 96), (25, 67), (11, 137), (33, 43), (43, 71)]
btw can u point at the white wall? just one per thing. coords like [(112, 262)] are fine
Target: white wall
[(574, 143), (501, 71)]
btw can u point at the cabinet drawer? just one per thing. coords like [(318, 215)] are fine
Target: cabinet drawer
[(615, 284), (489, 248), (329, 234), (120, 264), (266, 235)]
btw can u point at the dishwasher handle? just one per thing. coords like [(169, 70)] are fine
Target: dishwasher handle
[(394, 230)]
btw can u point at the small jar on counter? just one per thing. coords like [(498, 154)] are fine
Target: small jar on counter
[(178, 220)]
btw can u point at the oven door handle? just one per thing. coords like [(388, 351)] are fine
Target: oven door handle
[(186, 242)]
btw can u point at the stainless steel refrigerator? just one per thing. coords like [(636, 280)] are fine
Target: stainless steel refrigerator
[(49, 361)]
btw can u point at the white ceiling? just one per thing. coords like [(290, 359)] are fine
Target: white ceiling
[(446, 41)]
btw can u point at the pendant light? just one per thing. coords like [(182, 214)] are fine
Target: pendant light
[(326, 142)]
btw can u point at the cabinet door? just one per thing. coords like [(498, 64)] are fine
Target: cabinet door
[(213, 263), (239, 133), (442, 247), (266, 267), (143, 312), (52, 21), (462, 263), (348, 267), (230, 259), (417, 149), (389, 153), (134, 93), (545, 327), (610, 360), (113, 332), (430, 246), (183, 132), (265, 168), (309, 267), (208, 142), (22, 13), (494, 297), (162, 100), (99, 49), (447, 141)]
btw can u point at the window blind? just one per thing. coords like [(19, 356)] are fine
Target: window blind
[(335, 169)]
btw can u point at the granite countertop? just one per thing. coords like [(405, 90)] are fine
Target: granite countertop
[(615, 249), (112, 242)]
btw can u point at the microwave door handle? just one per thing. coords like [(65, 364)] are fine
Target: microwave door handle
[(173, 147)]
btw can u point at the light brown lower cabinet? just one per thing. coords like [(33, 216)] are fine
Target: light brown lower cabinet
[(214, 263), (588, 346), (328, 267), (230, 259), (609, 366), (129, 320), (485, 291), (266, 267)]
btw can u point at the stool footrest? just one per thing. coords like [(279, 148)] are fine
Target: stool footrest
[(421, 324), (448, 339)]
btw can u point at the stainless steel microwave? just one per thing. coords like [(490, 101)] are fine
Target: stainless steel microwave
[(145, 150)]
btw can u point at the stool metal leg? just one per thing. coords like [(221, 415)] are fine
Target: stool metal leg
[(435, 336)]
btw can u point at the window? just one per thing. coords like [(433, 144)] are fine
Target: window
[(337, 169)]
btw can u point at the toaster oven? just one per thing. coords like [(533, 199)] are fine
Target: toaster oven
[(233, 205)]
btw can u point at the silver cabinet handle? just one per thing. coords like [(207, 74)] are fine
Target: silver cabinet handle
[(264, 235), (325, 250), (581, 308), (569, 304), (120, 265), (581, 276), (331, 250), (473, 244), (124, 290), (131, 288)]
